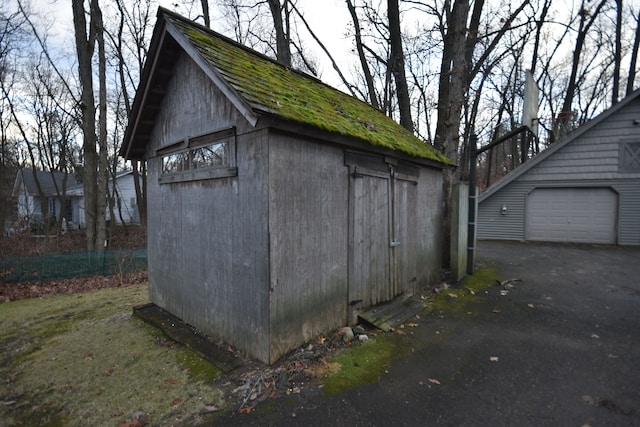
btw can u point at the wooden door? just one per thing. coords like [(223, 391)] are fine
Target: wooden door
[(370, 217), (405, 240)]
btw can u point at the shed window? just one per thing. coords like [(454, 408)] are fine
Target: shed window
[(630, 156), (203, 157)]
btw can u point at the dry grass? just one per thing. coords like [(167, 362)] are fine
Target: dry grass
[(82, 360)]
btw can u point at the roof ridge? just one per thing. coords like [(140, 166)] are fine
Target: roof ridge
[(229, 40)]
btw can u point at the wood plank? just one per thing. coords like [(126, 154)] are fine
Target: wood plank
[(186, 335), (389, 315)]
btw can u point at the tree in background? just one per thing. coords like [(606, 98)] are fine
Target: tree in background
[(95, 168), (396, 63), (11, 33), (463, 63)]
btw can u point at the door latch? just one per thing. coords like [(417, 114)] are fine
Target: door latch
[(395, 244)]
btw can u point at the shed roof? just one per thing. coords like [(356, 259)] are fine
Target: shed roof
[(520, 170), (258, 86)]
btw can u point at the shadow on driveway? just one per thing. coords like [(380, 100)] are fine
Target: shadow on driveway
[(559, 348)]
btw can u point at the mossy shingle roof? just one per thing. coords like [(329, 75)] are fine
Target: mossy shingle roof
[(267, 87)]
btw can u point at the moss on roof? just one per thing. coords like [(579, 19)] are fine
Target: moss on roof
[(269, 87)]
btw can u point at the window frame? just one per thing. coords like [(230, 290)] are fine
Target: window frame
[(189, 146), (629, 158)]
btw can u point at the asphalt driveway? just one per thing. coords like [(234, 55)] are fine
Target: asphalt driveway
[(559, 348)]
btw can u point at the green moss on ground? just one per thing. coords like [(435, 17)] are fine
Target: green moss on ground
[(83, 360), (364, 362), (461, 298)]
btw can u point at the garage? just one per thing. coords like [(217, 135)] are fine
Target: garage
[(578, 215), (582, 188)]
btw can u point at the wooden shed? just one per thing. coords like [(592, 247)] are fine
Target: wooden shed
[(278, 207), (584, 188)]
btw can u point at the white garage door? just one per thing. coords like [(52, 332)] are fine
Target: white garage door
[(584, 215)]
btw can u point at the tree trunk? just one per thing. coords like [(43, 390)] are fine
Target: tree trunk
[(103, 165), (85, 47), (397, 65), (373, 98), (283, 50), (634, 58), (539, 24), (135, 165), (205, 13), (617, 55), (585, 25)]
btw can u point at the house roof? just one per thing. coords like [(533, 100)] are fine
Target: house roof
[(51, 183), (258, 86), (523, 168)]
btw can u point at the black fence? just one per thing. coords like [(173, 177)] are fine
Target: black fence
[(67, 265)]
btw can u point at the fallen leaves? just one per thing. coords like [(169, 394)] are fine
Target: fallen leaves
[(433, 381), (24, 290)]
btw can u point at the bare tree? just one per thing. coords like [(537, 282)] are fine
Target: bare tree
[(617, 55), (11, 34), (129, 43), (280, 13), (371, 90), (397, 65), (205, 12), (586, 20), (634, 55), (95, 171)]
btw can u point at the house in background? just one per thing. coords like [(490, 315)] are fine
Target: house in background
[(278, 207), (125, 208), (584, 188), (31, 186), (65, 198)]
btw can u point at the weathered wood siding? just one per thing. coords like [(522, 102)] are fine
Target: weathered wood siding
[(262, 260), (395, 229), (208, 240), (428, 218), (308, 248), (591, 159), (370, 278)]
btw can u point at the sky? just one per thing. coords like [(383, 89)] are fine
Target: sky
[(327, 18)]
